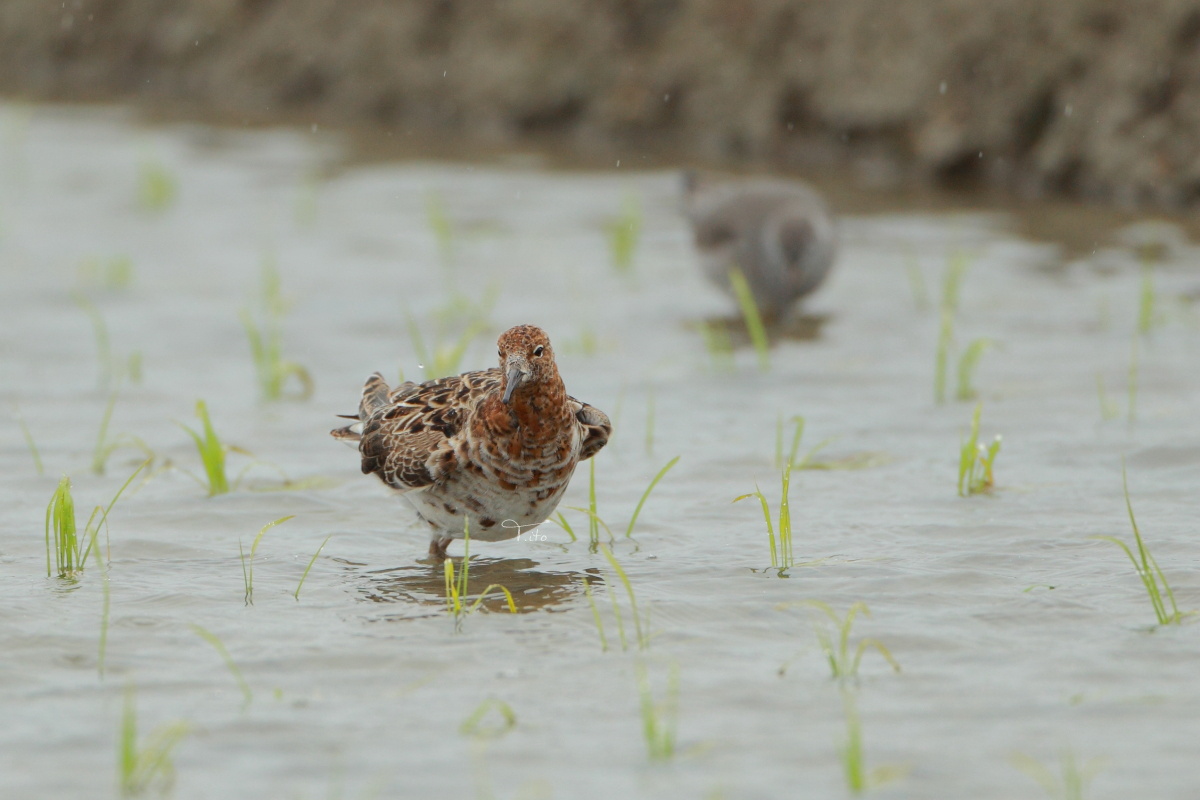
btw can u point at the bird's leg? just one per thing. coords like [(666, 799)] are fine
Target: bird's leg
[(438, 545)]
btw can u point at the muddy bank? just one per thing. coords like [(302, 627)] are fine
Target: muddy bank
[(1087, 97)]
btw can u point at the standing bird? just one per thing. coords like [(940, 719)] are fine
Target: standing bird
[(494, 449), (779, 233)]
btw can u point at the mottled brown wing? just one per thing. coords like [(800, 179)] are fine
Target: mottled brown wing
[(595, 426), (408, 442)]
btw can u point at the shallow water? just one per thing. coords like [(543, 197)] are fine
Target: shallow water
[(1016, 631)]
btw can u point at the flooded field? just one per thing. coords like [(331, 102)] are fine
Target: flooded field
[(134, 262)]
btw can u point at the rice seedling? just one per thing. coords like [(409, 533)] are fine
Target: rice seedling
[(248, 564), (446, 357), (113, 274), (1157, 588), (1108, 409), (265, 336), (68, 545), (718, 344), (808, 461), (659, 720), (1148, 315), (105, 447), (967, 364), (623, 233), (305, 209), (916, 282), (1070, 785), (594, 520), (585, 344), (157, 187), (587, 590), (105, 607), (230, 664), (751, 318), (781, 552), (146, 766), (212, 452), (854, 762), (311, 561), (976, 461), (440, 225), (642, 501), (104, 354), (30, 443), (457, 585), (844, 662), (490, 720), (951, 287), (942, 355), (642, 631)]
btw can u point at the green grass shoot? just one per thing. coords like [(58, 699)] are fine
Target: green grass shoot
[(1070, 785), (718, 344), (854, 762), (976, 461), (642, 630), (1108, 409), (781, 550), (587, 590), (1148, 314), (264, 332), (951, 288), (105, 447), (479, 723), (230, 664), (809, 461), (844, 661), (1157, 589), (659, 720), (440, 225), (114, 274), (145, 767), (642, 501), (67, 547), (211, 451), (967, 364), (248, 563), (30, 443), (104, 355), (624, 233), (942, 355), (916, 282), (311, 561), (457, 586), (307, 194), (446, 357), (157, 187), (751, 318)]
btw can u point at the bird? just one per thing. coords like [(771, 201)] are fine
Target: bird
[(779, 233), (487, 453)]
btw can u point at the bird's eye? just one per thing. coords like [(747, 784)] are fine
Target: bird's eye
[(537, 351)]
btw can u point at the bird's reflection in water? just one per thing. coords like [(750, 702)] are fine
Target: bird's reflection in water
[(802, 327), (425, 584)]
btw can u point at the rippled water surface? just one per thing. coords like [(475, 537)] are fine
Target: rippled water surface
[(1016, 630)]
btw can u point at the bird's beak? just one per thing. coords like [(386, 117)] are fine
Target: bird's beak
[(513, 380)]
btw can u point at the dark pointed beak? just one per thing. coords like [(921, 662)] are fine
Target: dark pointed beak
[(513, 380)]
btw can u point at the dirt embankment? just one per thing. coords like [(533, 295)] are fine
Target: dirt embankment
[(1097, 98)]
